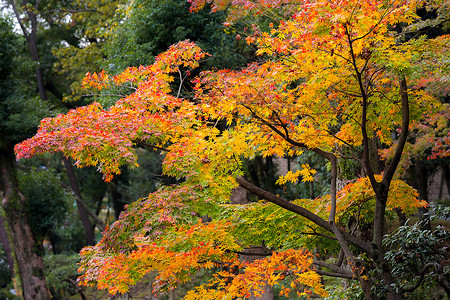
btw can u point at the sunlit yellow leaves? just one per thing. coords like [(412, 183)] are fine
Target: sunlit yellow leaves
[(306, 172), (350, 134), (358, 199), (402, 12), (214, 160), (290, 176)]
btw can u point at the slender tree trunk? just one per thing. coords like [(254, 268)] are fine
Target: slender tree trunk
[(31, 38), (382, 189), (31, 41), (116, 198), (382, 265), (446, 170), (87, 225), (28, 253)]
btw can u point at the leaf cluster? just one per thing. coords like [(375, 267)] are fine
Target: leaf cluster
[(418, 254), (46, 200)]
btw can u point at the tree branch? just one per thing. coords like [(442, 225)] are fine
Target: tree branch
[(422, 273), (98, 222), (334, 268), (319, 234), (341, 275), (366, 160), (153, 146), (325, 154), (389, 172), (16, 13), (302, 212)]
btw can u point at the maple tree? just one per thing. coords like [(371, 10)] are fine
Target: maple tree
[(332, 80)]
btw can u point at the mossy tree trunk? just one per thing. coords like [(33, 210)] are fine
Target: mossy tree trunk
[(27, 252)]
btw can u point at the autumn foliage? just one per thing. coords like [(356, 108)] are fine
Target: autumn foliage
[(332, 77)]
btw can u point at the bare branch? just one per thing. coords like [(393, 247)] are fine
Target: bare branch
[(346, 93), (341, 275), (389, 172), (366, 161), (334, 268), (319, 234), (98, 222), (153, 146)]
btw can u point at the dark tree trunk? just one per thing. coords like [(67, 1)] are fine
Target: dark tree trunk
[(421, 184), (7, 242), (84, 216), (116, 198), (28, 253), (31, 39), (446, 170), (54, 242), (365, 281)]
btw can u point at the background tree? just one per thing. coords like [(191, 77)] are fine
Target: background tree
[(46, 203), (43, 25), (150, 27), (50, 24), (19, 116)]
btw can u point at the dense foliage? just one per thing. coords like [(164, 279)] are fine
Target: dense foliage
[(346, 82)]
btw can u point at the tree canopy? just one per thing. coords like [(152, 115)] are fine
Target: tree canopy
[(338, 80)]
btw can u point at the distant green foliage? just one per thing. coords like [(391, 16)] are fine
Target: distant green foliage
[(6, 294), (9, 48), (46, 200), (350, 292), (61, 275), (139, 182), (317, 188), (5, 273), (92, 187), (149, 27), (70, 236), (20, 109)]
